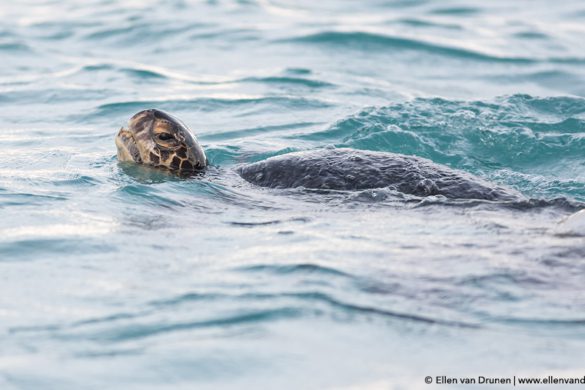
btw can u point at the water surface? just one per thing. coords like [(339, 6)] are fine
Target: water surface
[(117, 276)]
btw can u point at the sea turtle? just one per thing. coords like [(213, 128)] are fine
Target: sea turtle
[(156, 138)]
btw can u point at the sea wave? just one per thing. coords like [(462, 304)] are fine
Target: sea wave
[(529, 142)]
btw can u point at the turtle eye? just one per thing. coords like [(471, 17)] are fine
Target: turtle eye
[(165, 136)]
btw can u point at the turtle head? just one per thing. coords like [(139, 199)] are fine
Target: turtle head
[(155, 138)]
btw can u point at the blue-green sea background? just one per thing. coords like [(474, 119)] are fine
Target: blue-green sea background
[(122, 277)]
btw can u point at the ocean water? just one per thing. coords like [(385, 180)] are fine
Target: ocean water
[(118, 276)]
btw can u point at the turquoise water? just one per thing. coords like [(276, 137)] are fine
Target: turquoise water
[(116, 276)]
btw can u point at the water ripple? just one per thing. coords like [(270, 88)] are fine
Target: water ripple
[(371, 41), (301, 269), (209, 104)]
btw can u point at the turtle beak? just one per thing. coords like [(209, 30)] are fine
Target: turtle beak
[(127, 149), (196, 155)]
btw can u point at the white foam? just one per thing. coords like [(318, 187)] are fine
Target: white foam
[(574, 225)]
